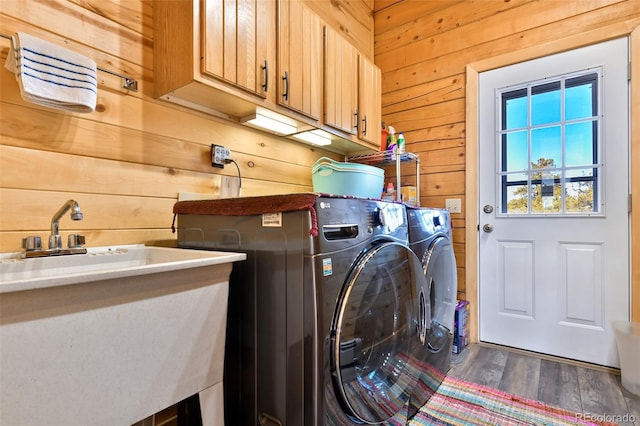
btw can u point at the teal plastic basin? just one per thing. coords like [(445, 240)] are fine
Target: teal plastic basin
[(351, 179)]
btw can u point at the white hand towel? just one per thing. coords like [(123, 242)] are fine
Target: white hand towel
[(53, 76)]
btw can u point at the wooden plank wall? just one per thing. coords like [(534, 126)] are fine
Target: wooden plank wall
[(423, 47), (126, 162)]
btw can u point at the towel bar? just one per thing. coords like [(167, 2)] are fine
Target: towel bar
[(127, 82)]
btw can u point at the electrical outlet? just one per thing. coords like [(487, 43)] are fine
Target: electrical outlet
[(218, 156), (454, 205)]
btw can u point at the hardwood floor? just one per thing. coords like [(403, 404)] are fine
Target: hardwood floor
[(570, 385)]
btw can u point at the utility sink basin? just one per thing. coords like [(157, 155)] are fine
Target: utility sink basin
[(112, 336), (101, 263)]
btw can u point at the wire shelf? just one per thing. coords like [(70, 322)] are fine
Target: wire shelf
[(384, 158)]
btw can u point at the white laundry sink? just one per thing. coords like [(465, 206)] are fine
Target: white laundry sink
[(111, 336), (101, 263)]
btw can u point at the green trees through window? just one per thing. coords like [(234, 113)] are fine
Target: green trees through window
[(546, 192)]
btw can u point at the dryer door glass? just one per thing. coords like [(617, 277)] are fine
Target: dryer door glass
[(439, 264), (376, 348)]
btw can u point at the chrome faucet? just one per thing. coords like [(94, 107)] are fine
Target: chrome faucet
[(32, 245), (55, 241)]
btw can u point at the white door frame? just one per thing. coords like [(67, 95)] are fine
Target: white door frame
[(471, 185)]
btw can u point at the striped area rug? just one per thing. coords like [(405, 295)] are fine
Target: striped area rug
[(461, 403)]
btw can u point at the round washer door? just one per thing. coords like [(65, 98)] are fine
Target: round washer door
[(375, 338), (439, 263)]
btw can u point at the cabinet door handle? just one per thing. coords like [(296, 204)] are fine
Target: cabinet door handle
[(364, 121), (357, 117), (285, 95), (265, 67)]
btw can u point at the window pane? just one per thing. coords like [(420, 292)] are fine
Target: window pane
[(580, 191), (549, 147), (515, 153), (516, 111), (545, 104), (580, 97), (546, 194), (546, 148), (515, 193), (580, 144)]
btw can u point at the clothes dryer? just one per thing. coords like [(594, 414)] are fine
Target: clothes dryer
[(325, 324), (430, 239)]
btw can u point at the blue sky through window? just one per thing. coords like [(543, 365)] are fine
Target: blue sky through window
[(550, 120), (546, 110)]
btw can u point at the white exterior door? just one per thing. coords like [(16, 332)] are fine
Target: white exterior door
[(553, 203)]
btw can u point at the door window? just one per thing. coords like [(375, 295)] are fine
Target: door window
[(549, 161)]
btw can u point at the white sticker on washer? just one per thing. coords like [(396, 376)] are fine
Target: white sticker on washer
[(327, 267), (273, 220)]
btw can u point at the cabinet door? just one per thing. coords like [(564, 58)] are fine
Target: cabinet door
[(340, 82), (369, 101), (265, 66), (299, 58), (219, 39), (238, 39)]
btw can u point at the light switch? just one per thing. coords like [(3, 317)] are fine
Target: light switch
[(454, 205)]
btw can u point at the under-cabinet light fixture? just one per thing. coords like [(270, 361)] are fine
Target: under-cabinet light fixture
[(315, 137), (271, 124)]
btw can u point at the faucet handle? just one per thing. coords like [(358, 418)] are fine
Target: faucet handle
[(76, 240), (32, 243)]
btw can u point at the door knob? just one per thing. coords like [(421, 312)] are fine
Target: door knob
[(487, 228)]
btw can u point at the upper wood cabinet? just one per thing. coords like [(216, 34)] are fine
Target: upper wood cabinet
[(299, 59), (352, 90), (340, 82), (229, 58), (209, 54), (369, 101), (238, 43)]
